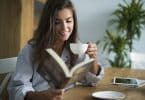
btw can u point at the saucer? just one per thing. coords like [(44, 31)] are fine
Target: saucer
[(109, 95)]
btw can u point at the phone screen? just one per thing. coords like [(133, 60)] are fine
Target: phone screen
[(126, 81)]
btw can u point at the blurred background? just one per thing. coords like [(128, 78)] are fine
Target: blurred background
[(19, 18)]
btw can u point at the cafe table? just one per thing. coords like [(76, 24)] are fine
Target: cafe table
[(131, 93)]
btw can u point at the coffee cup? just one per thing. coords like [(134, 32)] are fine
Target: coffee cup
[(78, 48)]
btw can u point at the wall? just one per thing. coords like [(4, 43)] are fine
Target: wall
[(93, 16)]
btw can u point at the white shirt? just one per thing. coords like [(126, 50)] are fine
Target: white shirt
[(20, 83)]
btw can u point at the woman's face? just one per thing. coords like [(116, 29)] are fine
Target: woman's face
[(64, 24)]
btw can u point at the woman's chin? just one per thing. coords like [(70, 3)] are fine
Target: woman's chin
[(65, 39)]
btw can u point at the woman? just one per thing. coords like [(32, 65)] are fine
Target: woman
[(57, 29)]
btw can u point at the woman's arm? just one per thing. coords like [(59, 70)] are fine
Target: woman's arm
[(92, 52), (20, 83), (96, 71)]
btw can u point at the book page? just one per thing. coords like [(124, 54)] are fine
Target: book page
[(81, 64), (57, 59), (50, 68), (80, 72)]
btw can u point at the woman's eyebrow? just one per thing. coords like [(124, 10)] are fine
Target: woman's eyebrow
[(65, 19), (68, 18)]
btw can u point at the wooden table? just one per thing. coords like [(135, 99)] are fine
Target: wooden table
[(84, 93)]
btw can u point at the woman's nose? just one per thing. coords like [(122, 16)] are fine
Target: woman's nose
[(64, 26)]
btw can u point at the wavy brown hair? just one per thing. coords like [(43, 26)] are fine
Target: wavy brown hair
[(45, 34)]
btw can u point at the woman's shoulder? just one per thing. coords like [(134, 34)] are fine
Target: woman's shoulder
[(27, 49), (26, 53)]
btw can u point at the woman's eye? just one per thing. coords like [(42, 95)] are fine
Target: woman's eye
[(57, 22), (69, 21)]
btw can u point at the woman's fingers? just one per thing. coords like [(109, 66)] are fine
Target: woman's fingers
[(58, 94), (59, 97), (92, 50), (59, 91)]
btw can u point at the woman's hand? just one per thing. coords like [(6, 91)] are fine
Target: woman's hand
[(92, 50), (56, 94)]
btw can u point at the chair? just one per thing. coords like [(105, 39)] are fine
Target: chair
[(7, 66), (138, 60)]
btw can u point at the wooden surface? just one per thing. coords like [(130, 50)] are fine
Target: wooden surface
[(84, 93), (16, 25), (27, 21)]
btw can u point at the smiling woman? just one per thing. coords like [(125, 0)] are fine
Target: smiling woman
[(57, 28)]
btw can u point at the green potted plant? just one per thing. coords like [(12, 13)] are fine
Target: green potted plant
[(129, 19), (115, 45)]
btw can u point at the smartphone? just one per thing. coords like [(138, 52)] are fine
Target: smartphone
[(125, 81)]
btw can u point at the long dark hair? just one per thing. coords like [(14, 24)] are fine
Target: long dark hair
[(44, 36)]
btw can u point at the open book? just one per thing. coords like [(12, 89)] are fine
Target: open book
[(61, 75)]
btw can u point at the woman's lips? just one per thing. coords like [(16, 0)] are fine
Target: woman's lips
[(63, 33)]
